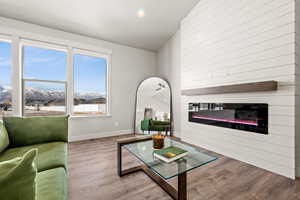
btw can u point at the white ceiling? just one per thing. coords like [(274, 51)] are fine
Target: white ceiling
[(111, 20)]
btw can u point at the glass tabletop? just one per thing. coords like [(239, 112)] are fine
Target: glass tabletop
[(144, 152)]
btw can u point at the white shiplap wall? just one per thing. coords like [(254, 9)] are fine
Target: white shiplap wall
[(168, 66), (237, 41), (297, 99)]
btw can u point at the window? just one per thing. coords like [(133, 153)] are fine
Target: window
[(52, 79), (90, 84), (5, 79), (44, 81)]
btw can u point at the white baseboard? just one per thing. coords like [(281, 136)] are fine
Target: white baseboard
[(89, 136)]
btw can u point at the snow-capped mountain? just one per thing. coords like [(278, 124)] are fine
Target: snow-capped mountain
[(34, 94), (4, 88), (38, 94), (5, 94), (88, 95)]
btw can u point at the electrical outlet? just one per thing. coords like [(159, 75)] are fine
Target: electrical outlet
[(116, 123)]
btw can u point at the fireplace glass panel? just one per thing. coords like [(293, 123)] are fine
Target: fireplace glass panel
[(247, 117)]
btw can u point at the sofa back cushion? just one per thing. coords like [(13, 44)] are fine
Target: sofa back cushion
[(18, 177), (4, 140), (35, 130)]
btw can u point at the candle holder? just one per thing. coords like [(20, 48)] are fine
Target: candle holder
[(158, 141)]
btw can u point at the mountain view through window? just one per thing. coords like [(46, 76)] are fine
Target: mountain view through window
[(89, 85), (5, 79), (44, 81)]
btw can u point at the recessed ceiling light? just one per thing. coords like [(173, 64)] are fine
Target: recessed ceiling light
[(140, 13)]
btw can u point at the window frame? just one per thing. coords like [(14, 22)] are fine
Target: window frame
[(70, 51), (9, 39), (43, 45), (107, 57)]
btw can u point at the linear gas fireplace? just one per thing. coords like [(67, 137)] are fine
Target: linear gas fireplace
[(247, 117)]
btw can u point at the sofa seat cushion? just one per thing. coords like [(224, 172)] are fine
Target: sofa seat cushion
[(50, 155), (52, 184)]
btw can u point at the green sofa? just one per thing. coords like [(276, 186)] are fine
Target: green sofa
[(155, 125), (49, 135)]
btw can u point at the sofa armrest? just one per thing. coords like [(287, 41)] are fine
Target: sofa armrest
[(35, 130)]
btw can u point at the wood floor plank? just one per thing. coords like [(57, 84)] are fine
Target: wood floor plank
[(93, 176)]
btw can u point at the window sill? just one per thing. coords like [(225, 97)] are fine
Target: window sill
[(89, 116)]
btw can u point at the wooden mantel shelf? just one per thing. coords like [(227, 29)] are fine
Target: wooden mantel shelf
[(236, 88)]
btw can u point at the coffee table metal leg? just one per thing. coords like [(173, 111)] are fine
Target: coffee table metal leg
[(182, 190), (122, 172), (119, 161)]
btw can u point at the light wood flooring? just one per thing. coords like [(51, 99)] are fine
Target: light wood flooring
[(93, 176)]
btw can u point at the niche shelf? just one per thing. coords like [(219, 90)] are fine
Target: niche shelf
[(235, 88)]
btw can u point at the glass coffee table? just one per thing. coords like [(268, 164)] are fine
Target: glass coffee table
[(159, 171)]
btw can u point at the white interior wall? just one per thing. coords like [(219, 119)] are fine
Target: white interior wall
[(168, 67), (227, 42), (297, 99), (129, 66)]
